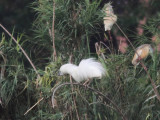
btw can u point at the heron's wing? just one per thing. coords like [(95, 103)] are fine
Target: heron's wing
[(91, 68)]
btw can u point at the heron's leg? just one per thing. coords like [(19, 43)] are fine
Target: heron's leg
[(87, 82)]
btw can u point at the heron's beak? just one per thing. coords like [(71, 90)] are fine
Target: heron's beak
[(60, 73)]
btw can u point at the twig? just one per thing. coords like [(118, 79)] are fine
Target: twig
[(33, 106), (89, 88), (53, 35), (38, 76), (111, 40), (105, 46), (98, 50), (142, 64)]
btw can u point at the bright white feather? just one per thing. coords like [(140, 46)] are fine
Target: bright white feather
[(88, 68)]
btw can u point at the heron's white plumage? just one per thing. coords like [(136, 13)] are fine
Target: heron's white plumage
[(88, 68)]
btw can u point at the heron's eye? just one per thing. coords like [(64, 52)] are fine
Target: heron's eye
[(59, 73)]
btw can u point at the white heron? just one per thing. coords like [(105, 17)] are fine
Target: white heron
[(87, 69)]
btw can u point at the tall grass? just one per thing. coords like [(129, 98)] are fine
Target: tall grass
[(75, 23)]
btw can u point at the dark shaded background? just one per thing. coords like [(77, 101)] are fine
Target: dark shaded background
[(16, 14)]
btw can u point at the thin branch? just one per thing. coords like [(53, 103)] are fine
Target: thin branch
[(53, 33), (38, 76), (111, 40), (33, 106), (89, 88), (105, 46), (98, 50), (142, 64)]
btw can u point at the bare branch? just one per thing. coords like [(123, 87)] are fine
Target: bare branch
[(53, 33)]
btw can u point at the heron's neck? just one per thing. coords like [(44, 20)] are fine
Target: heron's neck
[(70, 69)]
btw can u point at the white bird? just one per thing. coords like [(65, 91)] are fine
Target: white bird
[(87, 69), (142, 51)]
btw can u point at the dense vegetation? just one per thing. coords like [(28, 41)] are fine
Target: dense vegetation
[(124, 93)]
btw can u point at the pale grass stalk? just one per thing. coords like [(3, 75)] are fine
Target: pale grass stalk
[(33, 106), (149, 98)]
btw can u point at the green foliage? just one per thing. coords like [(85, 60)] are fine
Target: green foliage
[(75, 22)]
